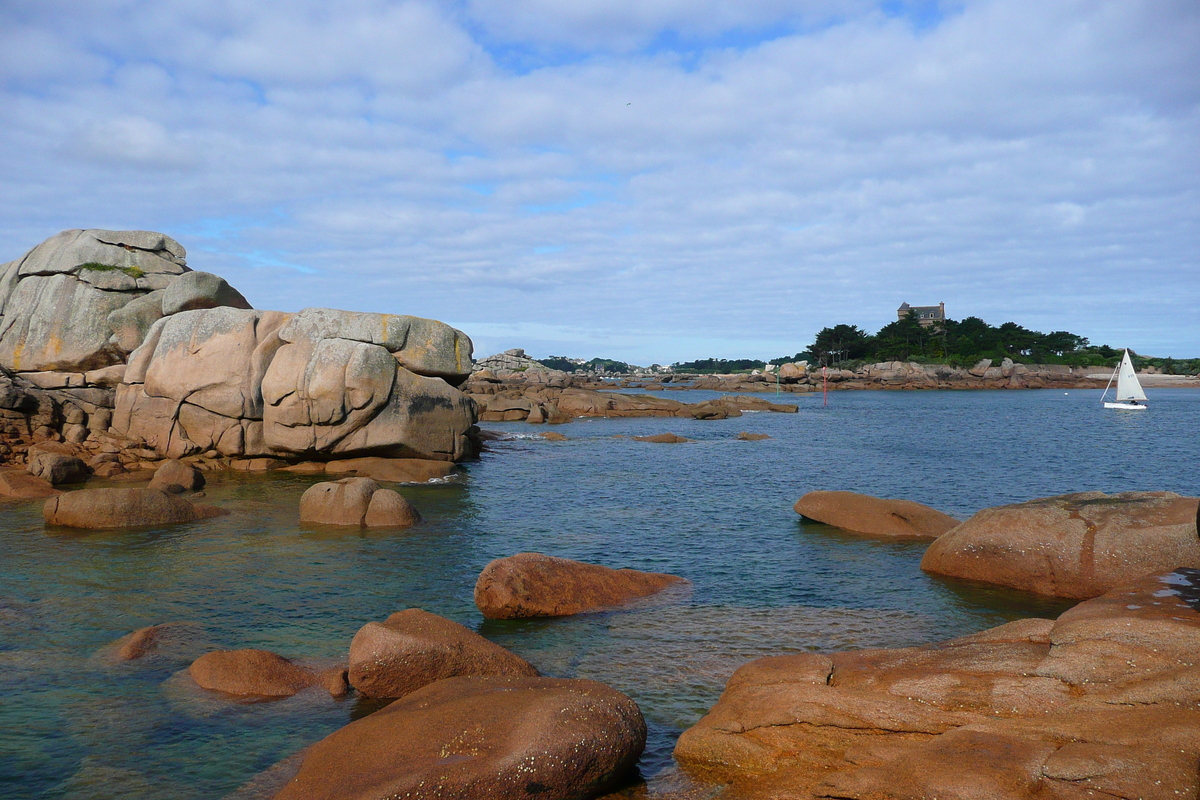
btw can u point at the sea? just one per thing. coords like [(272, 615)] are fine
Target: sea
[(716, 510)]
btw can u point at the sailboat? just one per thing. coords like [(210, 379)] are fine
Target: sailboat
[(1129, 392)]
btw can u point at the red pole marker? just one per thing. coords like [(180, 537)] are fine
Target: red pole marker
[(825, 384)]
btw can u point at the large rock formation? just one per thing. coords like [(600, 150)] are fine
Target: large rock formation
[(316, 383), (862, 513), (412, 648), (480, 738), (1100, 703), (1074, 545), (103, 320), (536, 585)]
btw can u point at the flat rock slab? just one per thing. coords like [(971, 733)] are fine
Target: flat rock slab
[(413, 648), (537, 585), (480, 738), (123, 508), (1073, 545), (392, 470), (876, 516), (20, 485), (1101, 702)]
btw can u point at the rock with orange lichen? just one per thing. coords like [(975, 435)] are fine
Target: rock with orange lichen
[(1102, 702), (480, 738), (1074, 545)]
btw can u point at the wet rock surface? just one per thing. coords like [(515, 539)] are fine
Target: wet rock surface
[(876, 516), (537, 585), (413, 648), (251, 673)]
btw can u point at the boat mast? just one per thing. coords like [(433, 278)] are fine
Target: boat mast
[(1116, 369)]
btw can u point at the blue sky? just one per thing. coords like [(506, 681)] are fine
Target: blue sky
[(652, 181)]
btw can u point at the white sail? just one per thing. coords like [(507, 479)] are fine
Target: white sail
[(1128, 387)]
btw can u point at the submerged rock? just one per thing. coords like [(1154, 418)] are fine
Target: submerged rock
[(176, 640), (1101, 701), (662, 438), (253, 673), (480, 738), (1074, 545), (536, 585), (413, 648), (356, 501), (877, 516), (123, 508)]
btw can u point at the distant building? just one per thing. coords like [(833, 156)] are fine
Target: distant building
[(926, 315)]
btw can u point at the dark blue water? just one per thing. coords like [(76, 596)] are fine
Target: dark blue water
[(718, 511)]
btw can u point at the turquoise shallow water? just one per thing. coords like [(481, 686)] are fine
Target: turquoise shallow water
[(717, 511)]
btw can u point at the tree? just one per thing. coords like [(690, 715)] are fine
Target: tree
[(901, 339), (840, 343)]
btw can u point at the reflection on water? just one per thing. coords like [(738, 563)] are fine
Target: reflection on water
[(75, 724)]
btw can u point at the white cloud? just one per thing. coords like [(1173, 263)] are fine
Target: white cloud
[(1019, 160)]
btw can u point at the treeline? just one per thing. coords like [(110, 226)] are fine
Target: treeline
[(595, 365), (957, 343), (963, 343)]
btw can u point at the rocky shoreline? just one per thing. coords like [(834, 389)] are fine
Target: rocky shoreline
[(800, 378), (117, 361)]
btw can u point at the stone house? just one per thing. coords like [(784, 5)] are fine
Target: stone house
[(926, 315)]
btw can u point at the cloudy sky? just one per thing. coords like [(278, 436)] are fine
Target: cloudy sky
[(649, 180)]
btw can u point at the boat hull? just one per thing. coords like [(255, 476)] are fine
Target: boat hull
[(1126, 406)]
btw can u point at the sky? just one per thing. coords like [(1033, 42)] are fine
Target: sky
[(647, 180)]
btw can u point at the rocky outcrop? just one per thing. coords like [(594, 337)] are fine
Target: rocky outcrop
[(861, 513), (123, 508), (540, 385), (316, 383), (356, 501), (1075, 545), (1101, 702), (536, 585), (256, 673), (55, 301), (480, 738), (79, 306), (513, 360), (413, 648), (538, 403)]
